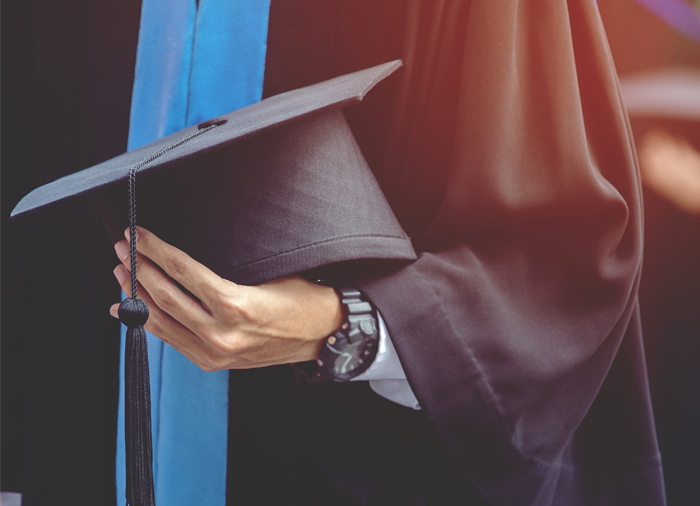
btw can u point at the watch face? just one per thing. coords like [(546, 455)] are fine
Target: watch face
[(350, 351), (349, 360)]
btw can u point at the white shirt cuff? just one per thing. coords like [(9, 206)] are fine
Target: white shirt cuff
[(386, 375)]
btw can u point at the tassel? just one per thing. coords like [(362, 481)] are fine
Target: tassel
[(139, 449), (133, 312)]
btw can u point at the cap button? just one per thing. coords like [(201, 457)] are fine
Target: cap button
[(212, 122)]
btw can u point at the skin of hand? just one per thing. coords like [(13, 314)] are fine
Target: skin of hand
[(219, 324)]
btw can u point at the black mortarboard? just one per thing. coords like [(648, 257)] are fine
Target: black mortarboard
[(273, 189), (290, 192)]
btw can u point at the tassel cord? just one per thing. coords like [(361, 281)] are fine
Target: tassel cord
[(133, 313)]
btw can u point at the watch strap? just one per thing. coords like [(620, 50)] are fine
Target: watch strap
[(350, 350)]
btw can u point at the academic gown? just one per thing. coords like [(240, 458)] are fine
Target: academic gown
[(505, 151)]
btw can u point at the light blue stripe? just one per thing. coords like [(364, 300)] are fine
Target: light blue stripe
[(191, 65), (163, 67), (229, 57)]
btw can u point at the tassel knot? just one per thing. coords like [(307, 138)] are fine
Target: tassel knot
[(133, 312)]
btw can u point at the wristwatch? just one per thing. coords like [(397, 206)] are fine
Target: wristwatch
[(350, 350)]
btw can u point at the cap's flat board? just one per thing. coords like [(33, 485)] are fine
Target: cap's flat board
[(243, 123)]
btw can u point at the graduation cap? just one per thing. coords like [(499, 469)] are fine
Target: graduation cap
[(273, 189)]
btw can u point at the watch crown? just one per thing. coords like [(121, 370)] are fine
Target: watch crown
[(367, 327)]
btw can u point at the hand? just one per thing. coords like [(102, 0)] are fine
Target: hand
[(222, 325)]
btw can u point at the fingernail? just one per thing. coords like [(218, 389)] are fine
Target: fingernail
[(122, 250), (120, 274), (114, 310)]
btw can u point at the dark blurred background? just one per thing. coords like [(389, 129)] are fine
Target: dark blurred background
[(642, 43), (67, 73)]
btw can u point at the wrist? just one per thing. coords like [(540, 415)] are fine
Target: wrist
[(324, 318), (351, 348), (333, 309)]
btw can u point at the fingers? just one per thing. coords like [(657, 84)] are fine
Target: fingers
[(207, 353), (159, 323), (166, 295), (195, 277), (233, 326)]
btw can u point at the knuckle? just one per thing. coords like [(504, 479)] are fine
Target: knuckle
[(231, 311), (176, 266), (212, 362), (214, 294), (225, 346), (206, 366), (223, 342), (236, 308), (164, 297)]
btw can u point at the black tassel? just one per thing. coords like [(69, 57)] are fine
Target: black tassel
[(133, 313), (139, 449)]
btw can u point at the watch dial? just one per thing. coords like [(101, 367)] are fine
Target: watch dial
[(351, 350), (349, 360)]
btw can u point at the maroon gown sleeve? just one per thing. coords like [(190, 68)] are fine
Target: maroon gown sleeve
[(522, 196)]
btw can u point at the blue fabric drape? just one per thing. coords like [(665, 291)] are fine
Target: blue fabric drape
[(192, 63)]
